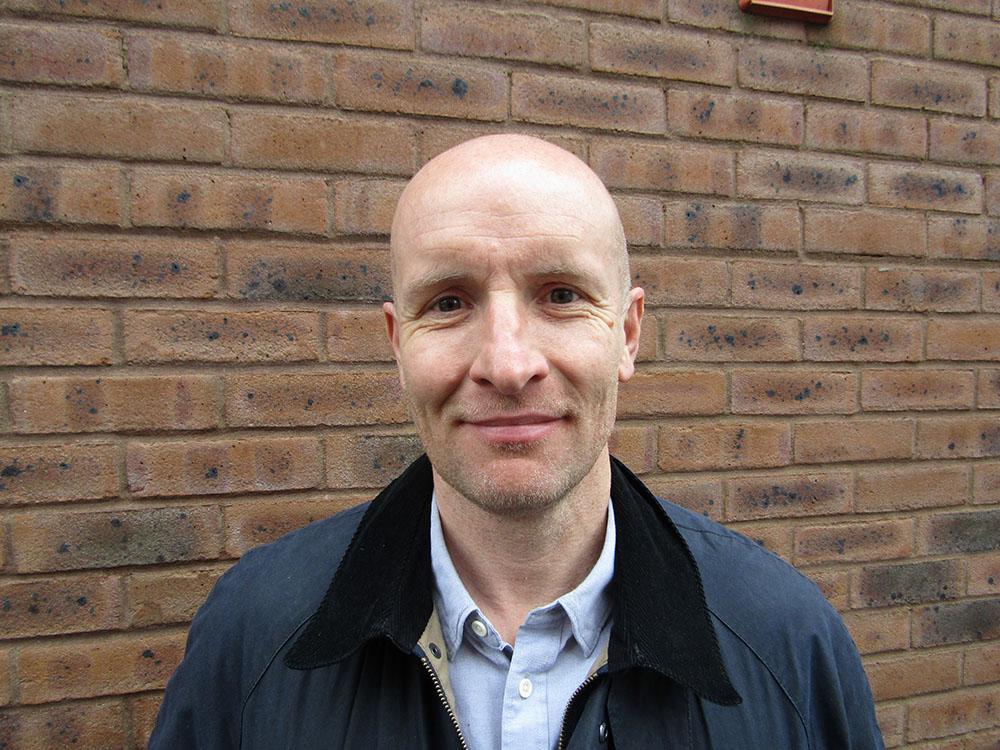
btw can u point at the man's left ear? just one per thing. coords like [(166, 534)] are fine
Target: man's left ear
[(632, 325)]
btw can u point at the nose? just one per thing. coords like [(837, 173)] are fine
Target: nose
[(507, 357)]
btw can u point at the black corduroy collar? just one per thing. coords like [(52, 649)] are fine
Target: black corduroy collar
[(383, 588)]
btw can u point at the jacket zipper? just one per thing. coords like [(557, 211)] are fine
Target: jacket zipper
[(562, 729), (444, 700)]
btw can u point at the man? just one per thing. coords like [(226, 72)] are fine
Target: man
[(517, 587)]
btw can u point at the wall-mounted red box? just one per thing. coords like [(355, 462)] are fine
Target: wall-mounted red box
[(815, 11)]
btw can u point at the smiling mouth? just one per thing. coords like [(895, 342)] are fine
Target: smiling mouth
[(515, 428)]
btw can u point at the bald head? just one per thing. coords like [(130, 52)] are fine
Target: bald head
[(510, 175)]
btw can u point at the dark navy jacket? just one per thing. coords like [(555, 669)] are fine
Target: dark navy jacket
[(327, 638)]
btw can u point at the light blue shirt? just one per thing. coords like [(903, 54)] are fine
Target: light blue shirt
[(510, 698)]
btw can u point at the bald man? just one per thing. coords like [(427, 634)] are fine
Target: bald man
[(515, 587)]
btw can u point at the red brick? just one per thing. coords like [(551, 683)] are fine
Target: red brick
[(41, 53), (736, 226), (209, 467), (110, 404), (867, 232), (991, 291), (862, 26), (853, 542), (793, 392), (840, 128), (70, 726), (635, 445), (143, 710), (953, 714), (986, 484), (219, 200), (366, 460), (6, 691), (376, 23), (205, 14), (55, 336), (315, 398), (694, 447), (62, 194), (994, 102), (833, 585), (876, 631), (938, 88), (944, 437), (988, 389), (839, 339), (853, 440), (962, 237), (984, 577), (649, 340), (981, 740), (909, 583), (307, 273), (57, 473), (961, 532), (966, 40), (54, 606), (913, 675), (787, 496), (437, 87), (662, 167), (982, 664), (891, 719), (111, 666), (794, 286), (920, 290), (513, 35), (355, 335), (981, 7), (722, 14), (958, 622), (221, 68), (322, 143), (903, 390), (794, 176), (674, 282), (251, 524), (170, 596), (365, 206), (965, 142), (700, 495), (734, 118), (774, 537), (209, 336), (799, 70), (113, 267), (964, 339), (910, 488), (126, 128), (642, 219), (638, 8), (587, 103), (672, 392), (106, 539), (666, 52), (711, 338)]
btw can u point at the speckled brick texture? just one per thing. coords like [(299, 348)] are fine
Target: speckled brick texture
[(195, 205)]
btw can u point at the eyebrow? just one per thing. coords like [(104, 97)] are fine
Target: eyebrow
[(446, 277)]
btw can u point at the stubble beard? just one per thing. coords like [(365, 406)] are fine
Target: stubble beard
[(543, 480)]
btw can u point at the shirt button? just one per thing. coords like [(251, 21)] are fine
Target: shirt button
[(479, 628), (524, 688)]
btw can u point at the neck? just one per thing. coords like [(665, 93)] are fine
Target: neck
[(512, 564)]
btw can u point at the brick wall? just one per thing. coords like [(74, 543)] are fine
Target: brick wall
[(194, 204)]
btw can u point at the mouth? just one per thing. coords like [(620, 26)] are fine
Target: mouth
[(515, 428)]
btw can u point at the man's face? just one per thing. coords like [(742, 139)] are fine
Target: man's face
[(511, 331)]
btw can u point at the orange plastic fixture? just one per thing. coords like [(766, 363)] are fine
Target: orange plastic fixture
[(814, 11)]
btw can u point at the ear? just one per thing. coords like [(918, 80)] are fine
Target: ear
[(632, 325), (392, 330)]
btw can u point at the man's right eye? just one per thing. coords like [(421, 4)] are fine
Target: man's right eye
[(448, 304)]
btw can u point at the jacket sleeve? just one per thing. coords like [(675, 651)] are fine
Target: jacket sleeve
[(202, 704)]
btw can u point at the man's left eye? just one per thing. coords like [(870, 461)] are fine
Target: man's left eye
[(563, 296)]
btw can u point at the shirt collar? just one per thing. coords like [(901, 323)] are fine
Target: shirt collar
[(587, 607)]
